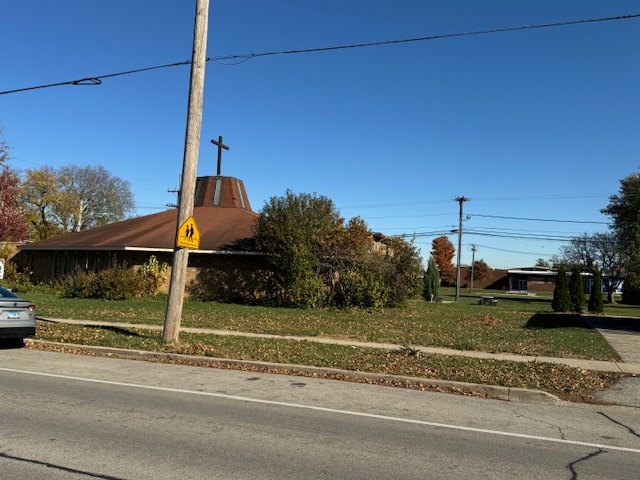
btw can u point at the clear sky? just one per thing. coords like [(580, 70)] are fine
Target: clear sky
[(531, 124)]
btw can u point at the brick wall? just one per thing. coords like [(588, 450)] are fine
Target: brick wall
[(495, 280)]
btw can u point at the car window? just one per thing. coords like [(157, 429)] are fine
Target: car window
[(7, 294)]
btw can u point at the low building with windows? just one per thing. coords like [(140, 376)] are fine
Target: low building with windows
[(532, 279)]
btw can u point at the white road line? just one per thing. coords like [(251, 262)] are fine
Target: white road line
[(329, 410)]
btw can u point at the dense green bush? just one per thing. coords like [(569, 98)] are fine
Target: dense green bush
[(16, 280), (307, 292), (361, 288), (19, 282), (119, 282), (318, 260), (154, 274), (78, 285)]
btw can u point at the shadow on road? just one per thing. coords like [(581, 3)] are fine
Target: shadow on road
[(11, 343)]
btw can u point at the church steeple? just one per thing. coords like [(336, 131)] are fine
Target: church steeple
[(218, 191)]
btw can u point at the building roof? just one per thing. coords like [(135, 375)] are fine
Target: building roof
[(542, 271), (222, 214)]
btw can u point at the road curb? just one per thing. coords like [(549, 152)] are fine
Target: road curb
[(492, 391)]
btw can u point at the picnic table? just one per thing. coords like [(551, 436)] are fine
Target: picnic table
[(487, 300)]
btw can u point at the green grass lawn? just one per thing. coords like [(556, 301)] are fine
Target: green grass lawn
[(522, 325)]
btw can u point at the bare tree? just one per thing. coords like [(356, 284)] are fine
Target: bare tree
[(94, 198), (74, 198), (603, 251)]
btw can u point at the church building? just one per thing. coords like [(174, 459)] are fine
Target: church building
[(224, 267)]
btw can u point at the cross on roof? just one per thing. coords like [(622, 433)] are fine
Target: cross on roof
[(220, 147)]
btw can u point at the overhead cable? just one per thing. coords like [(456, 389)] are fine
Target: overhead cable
[(97, 80), (536, 219), (237, 59), (243, 58)]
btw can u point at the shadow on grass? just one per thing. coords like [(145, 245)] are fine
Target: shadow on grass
[(557, 320), (529, 299), (118, 330), (630, 325), (108, 328)]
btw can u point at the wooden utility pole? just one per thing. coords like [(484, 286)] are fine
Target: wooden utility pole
[(460, 200), (473, 263), (189, 169)]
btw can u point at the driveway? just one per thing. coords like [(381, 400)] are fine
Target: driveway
[(623, 334)]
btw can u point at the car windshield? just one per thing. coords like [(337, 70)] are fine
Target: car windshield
[(4, 293)]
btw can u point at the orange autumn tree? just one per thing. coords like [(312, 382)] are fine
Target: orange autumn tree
[(443, 251)]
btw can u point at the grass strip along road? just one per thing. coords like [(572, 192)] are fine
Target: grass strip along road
[(521, 325)]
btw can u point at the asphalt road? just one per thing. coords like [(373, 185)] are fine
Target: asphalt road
[(73, 417)]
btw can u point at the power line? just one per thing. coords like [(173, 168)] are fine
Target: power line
[(537, 219), (409, 216), (97, 80), (480, 231), (237, 59), (544, 197), (244, 58), (547, 238), (507, 230), (515, 251), (482, 199)]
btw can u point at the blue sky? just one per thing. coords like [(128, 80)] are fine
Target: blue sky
[(534, 124)]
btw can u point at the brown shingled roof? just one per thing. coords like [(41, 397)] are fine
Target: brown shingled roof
[(227, 225)]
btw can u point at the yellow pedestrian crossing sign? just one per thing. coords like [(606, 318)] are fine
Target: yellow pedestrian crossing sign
[(188, 235)]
